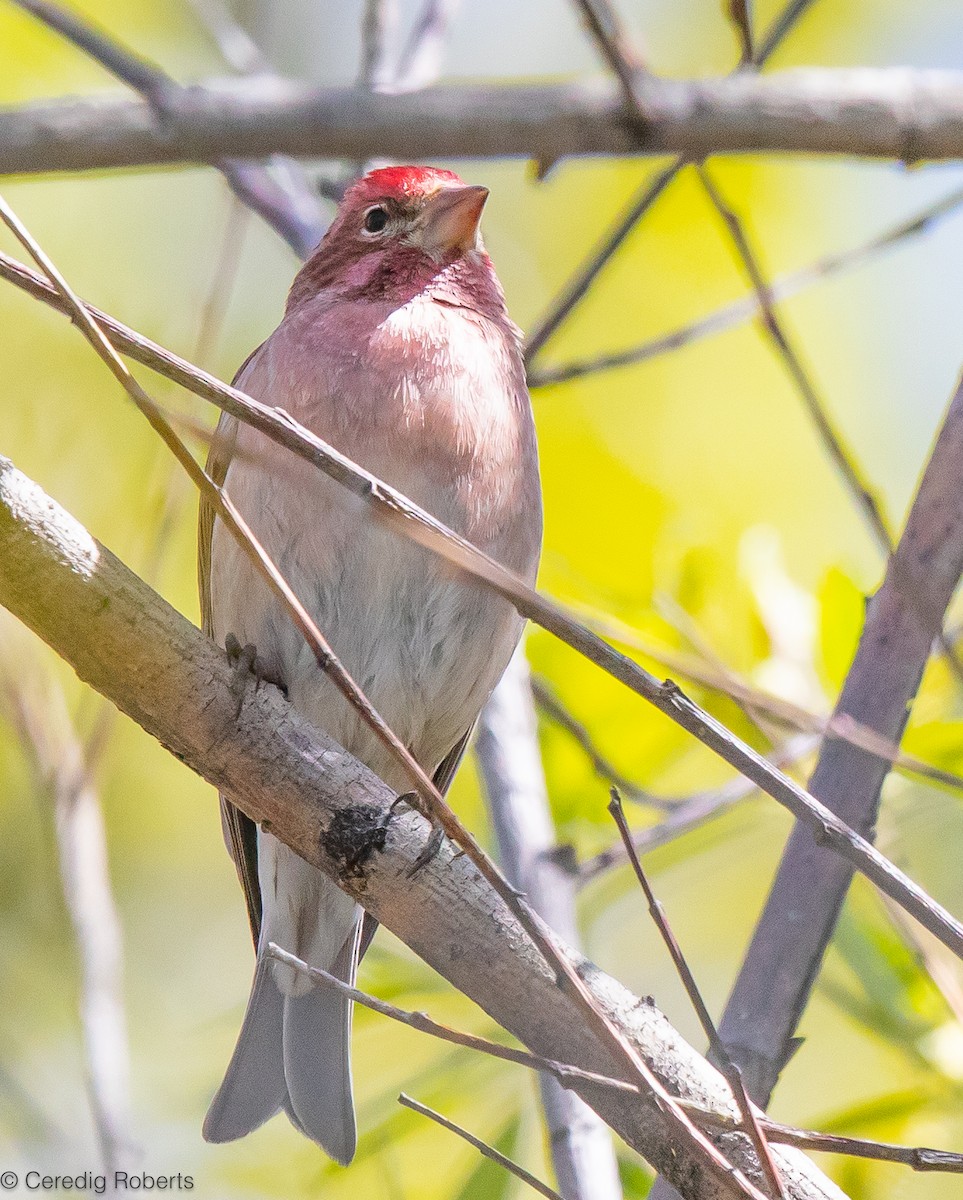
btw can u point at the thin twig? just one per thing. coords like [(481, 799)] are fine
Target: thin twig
[(738, 13), (723, 1061), (550, 704), (730, 316), (420, 62), (409, 520), (829, 436), (574, 291), (603, 24), (563, 1072), (235, 44), (378, 19), (693, 811), (489, 1151), (222, 282)]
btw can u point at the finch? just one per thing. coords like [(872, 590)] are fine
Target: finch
[(395, 347)]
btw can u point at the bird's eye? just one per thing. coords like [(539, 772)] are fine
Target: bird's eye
[(375, 219)]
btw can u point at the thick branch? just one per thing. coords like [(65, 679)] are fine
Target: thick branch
[(902, 622), (129, 644), (883, 113)]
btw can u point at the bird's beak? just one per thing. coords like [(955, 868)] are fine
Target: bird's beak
[(451, 219)]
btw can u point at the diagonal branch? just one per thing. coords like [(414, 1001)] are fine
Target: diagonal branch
[(127, 642), (810, 886), (605, 30), (482, 1147)]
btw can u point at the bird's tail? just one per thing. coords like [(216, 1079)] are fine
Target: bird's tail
[(294, 1049)]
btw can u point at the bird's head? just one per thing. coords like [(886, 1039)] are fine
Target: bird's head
[(396, 229)]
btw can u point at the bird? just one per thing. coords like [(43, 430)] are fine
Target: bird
[(396, 347)]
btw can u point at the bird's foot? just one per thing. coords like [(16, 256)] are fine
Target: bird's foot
[(245, 664), (431, 848), (434, 843)]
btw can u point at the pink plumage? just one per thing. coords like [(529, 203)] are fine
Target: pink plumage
[(396, 347)]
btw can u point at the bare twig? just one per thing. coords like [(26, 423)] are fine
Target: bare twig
[(409, 520), (489, 1151), (550, 704), (378, 19), (603, 24), (738, 13), (691, 812), (223, 280), (514, 786), (723, 1061), (236, 45), (830, 437), (421, 60), (564, 1073), (573, 292), (917, 1158), (739, 311)]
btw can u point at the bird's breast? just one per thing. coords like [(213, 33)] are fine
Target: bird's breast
[(433, 402)]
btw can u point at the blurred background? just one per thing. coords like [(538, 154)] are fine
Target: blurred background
[(687, 499)]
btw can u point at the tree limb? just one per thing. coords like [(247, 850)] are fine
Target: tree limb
[(895, 113), (902, 622)]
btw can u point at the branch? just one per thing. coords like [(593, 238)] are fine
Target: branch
[(904, 619), (894, 113), (126, 642), (739, 311), (489, 1151), (514, 779), (48, 735)]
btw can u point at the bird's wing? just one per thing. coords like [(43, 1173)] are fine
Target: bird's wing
[(240, 832)]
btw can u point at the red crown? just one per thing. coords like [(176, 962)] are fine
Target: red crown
[(401, 182)]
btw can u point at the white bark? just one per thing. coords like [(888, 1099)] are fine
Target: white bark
[(511, 767)]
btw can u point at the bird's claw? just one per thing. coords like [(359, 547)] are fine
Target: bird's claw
[(431, 848), (433, 845), (244, 662)]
